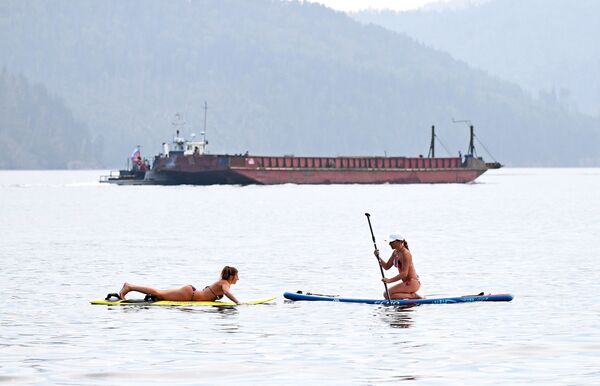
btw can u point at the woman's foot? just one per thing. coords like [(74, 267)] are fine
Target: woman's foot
[(124, 290)]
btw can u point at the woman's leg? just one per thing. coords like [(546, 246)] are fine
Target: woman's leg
[(138, 288), (177, 294), (405, 290)]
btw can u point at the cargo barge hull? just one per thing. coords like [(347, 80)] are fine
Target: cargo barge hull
[(246, 170), (188, 163), (274, 177)]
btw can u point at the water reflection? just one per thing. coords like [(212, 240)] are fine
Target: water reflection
[(220, 311), (397, 316), (134, 308)]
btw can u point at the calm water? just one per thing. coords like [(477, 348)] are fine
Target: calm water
[(65, 239)]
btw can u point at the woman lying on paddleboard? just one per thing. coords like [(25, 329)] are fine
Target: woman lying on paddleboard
[(402, 259), (210, 293)]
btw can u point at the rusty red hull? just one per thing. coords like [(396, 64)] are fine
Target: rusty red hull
[(304, 176), (247, 169)]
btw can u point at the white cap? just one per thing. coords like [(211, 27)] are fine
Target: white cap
[(394, 237)]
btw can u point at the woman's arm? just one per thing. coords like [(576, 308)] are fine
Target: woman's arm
[(391, 279), (385, 265), (227, 293)]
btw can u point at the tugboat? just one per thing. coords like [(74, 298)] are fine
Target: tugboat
[(134, 175), (188, 162)]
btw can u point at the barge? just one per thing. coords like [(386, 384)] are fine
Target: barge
[(188, 162)]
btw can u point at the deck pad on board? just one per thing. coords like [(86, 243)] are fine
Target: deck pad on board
[(140, 302), (449, 300)]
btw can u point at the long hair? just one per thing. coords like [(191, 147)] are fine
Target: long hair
[(228, 272), (405, 244)]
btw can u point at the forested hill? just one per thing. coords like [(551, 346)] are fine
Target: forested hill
[(37, 130), (280, 77), (546, 46)]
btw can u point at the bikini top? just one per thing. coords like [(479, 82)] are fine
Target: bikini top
[(217, 297), (397, 262)]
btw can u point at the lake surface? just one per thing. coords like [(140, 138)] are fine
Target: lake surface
[(65, 240)]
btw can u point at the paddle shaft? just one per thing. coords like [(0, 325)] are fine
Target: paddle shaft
[(380, 268)]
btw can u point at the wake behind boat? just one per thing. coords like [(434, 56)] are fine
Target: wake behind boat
[(299, 295)]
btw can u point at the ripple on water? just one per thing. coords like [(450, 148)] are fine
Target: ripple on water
[(67, 241)]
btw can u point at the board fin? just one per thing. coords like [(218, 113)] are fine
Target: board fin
[(479, 294)]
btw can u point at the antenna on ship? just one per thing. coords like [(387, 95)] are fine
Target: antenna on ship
[(178, 123), (178, 142), (204, 131)]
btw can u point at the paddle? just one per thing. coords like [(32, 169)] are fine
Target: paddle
[(380, 268)]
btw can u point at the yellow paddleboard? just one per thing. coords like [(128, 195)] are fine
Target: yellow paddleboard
[(140, 302)]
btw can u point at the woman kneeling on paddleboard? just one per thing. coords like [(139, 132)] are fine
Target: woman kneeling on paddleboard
[(188, 293), (402, 259)]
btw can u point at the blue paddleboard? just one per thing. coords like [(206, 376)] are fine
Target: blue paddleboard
[(460, 299)]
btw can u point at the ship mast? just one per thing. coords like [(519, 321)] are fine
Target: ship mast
[(432, 145), (471, 151), (471, 144)]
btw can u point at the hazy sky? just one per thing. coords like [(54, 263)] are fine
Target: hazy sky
[(356, 5)]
